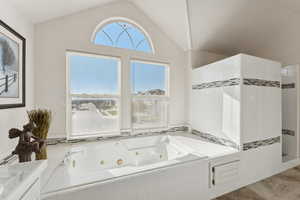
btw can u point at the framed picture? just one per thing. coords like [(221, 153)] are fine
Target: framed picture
[(12, 68)]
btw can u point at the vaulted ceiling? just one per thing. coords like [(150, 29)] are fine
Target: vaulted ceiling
[(233, 26), (222, 26)]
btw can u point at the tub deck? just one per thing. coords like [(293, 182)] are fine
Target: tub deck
[(58, 179)]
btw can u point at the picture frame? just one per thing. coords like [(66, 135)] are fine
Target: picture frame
[(12, 68)]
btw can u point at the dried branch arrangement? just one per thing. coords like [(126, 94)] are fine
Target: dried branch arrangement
[(42, 119)]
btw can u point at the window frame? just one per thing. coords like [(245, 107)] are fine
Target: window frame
[(125, 20), (165, 97), (117, 96), (124, 57)]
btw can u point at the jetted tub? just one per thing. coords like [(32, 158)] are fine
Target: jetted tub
[(129, 155), (152, 167)]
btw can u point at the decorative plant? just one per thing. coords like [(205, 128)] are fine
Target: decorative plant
[(42, 119)]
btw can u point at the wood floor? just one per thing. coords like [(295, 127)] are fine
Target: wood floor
[(284, 186)]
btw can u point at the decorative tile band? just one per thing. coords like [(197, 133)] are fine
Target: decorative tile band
[(215, 84), (288, 132), (288, 86), (216, 140), (260, 143), (124, 135), (260, 82), (237, 81), (177, 129)]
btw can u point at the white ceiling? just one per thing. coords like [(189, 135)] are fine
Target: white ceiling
[(42, 10), (171, 16), (234, 26), (222, 26)]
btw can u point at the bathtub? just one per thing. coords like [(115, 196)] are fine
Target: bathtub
[(148, 168)]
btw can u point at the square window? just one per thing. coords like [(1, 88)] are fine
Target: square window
[(148, 78), (149, 83), (94, 94), (91, 74)]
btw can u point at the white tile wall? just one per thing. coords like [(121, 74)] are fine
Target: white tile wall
[(219, 71), (261, 112), (261, 106), (242, 113), (290, 112), (259, 68), (258, 164), (217, 110)]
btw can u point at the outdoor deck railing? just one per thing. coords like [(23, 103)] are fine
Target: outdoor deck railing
[(8, 81)]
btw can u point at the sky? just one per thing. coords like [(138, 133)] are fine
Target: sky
[(96, 75), (114, 34), (93, 75), (147, 77)]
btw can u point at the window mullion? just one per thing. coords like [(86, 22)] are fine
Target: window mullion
[(126, 94)]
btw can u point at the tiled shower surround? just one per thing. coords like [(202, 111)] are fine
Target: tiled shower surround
[(289, 112), (239, 99)]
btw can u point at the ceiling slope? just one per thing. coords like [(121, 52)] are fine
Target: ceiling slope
[(235, 26)]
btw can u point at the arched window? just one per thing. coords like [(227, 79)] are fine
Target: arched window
[(123, 34)]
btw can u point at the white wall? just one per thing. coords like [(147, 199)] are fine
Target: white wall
[(217, 110), (16, 117), (290, 112), (55, 37), (260, 119), (195, 59)]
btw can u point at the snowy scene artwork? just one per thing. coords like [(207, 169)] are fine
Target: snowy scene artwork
[(12, 68)]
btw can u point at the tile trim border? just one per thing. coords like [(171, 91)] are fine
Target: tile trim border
[(288, 132), (261, 82), (216, 140), (216, 84), (260, 143), (288, 86), (124, 135), (237, 81)]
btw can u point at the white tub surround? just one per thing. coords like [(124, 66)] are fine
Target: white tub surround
[(290, 113), (237, 102), (122, 135), (151, 167), (160, 184), (21, 181)]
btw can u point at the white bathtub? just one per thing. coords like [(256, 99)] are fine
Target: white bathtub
[(160, 161), (129, 155)]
